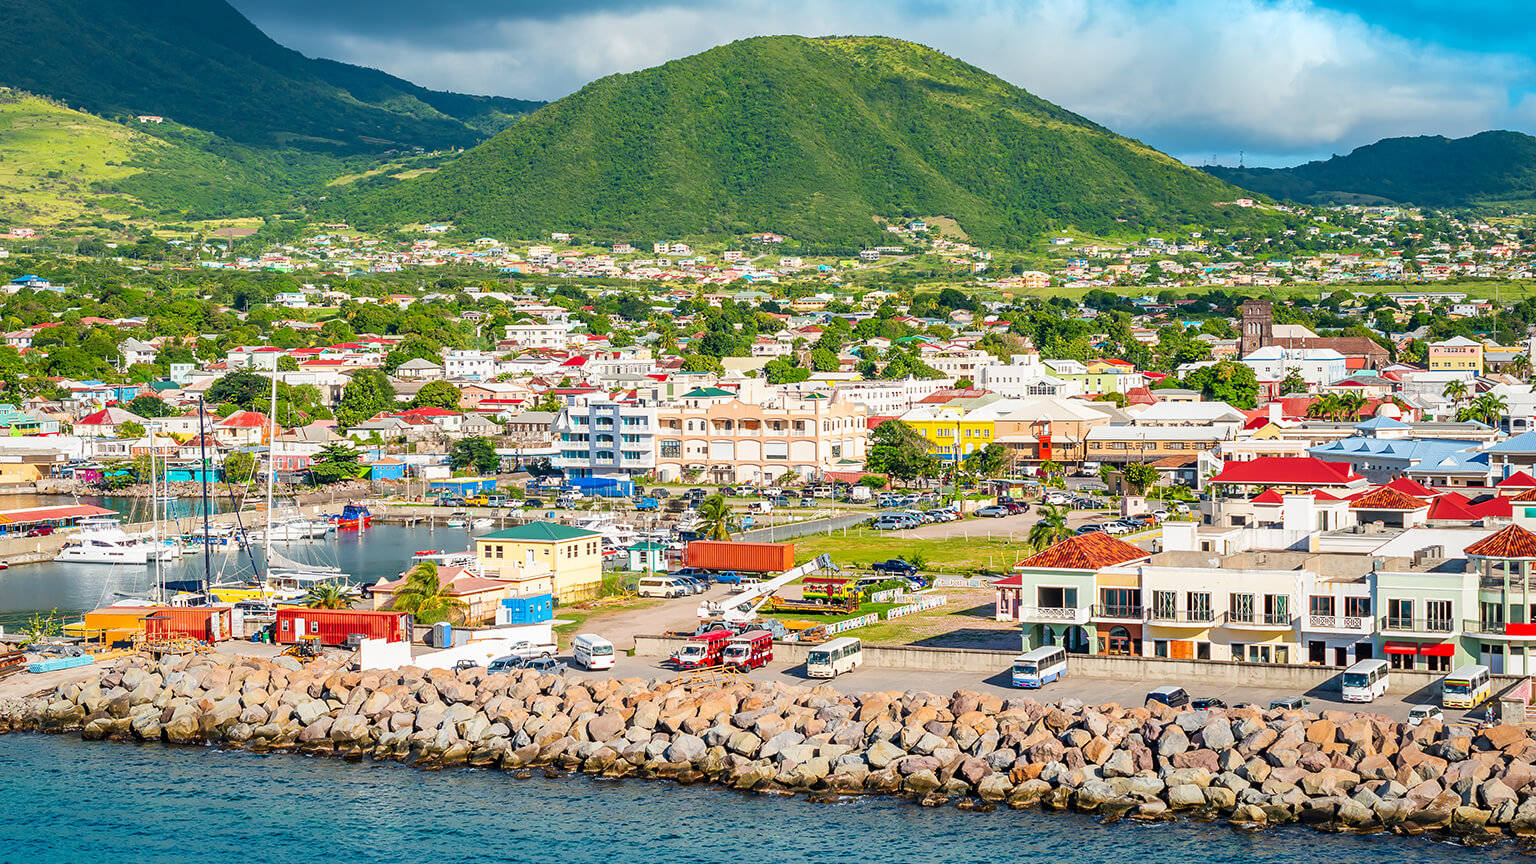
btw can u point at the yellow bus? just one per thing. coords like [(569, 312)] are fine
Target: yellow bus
[(1467, 687)]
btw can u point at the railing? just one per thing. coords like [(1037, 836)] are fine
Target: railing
[(1338, 622), (1258, 619), (1496, 628), (1118, 612), (1070, 614), (1180, 616), (1393, 624)]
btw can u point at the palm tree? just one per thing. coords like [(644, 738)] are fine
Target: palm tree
[(1351, 403), (716, 518), (426, 597), (328, 595), (1327, 407), (1487, 408), (1455, 391), (1051, 529), (1519, 367)]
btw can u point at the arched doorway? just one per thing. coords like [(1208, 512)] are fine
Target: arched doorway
[(1119, 641), (1076, 640)]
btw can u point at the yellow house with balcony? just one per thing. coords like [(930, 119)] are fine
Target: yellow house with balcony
[(573, 555), (957, 428)]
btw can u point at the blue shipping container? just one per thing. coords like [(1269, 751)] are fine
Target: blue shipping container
[(533, 609)]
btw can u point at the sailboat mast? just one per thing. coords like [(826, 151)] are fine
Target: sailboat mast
[(202, 445), (266, 537)]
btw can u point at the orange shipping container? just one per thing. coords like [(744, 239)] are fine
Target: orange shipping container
[(333, 626), (747, 557)]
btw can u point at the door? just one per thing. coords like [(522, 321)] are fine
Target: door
[(1119, 641), (1181, 649), (1341, 656), (1496, 659), (299, 631), (1317, 652)]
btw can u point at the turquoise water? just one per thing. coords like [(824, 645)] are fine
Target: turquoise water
[(65, 800)]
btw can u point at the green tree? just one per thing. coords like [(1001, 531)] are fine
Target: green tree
[(287, 363), (716, 518), (368, 393), (239, 467), (328, 595), (900, 452), (1455, 390), (436, 394), (130, 429), (475, 453), (427, 598), (548, 401), (413, 348), (335, 463), (1227, 381), (1050, 529), (1139, 477), (1293, 383), (824, 359), (149, 405), (990, 461)]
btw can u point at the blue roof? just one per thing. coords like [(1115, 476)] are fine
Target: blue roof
[(1417, 453), (1525, 442), (1382, 423)]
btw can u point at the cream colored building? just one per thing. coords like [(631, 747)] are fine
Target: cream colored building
[(710, 433), (573, 555)]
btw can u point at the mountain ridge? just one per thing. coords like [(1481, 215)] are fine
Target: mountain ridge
[(812, 137)]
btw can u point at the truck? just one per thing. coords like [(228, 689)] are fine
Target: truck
[(526, 649), (702, 650), (647, 504), (894, 565), (748, 651), (749, 557)]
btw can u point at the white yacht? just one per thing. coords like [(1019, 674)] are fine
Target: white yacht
[(104, 541), (294, 529), (443, 559)]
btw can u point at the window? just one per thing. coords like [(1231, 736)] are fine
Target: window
[(1357, 607), (1202, 650), (671, 449), (1240, 608), (1320, 605), (1437, 615), (1277, 609), (1160, 647), (1199, 605), (1399, 614), (1239, 652), (1438, 664), (1165, 607)]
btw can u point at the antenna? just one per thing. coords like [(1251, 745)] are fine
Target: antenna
[(1239, 158)]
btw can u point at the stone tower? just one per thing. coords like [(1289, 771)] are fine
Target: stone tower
[(1258, 326)]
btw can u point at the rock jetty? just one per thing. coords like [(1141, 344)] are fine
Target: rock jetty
[(1336, 771)]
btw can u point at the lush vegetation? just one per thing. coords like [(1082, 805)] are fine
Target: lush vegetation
[(814, 138), (203, 64), (1429, 170)]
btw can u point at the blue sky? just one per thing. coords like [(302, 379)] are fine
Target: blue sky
[(1281, 81)]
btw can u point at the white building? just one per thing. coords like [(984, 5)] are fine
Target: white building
[(474, 365), (605, 439), (1319, 367), (546, 335)]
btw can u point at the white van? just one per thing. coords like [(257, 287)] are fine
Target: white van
[(661, 586), (592, 651), (834, 658), (1364, 681), (860, 495), (760, 507)]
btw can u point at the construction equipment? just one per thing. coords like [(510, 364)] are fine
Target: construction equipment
[(742, 608), (709, 677), (814, 607), (805, 631), (307, 648)]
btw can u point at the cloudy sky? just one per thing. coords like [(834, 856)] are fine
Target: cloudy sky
[(1279, 80)]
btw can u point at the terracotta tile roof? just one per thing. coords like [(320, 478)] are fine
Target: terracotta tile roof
[(1086, 552), (1527, 495), (1511, 542), (1413, 487), (1387, 498)]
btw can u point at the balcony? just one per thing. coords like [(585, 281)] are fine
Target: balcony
[(1180, 618), (1417, 626), (1117, 613), (1356, 624), (1500, 630), (1053, 615), (1257, 621)]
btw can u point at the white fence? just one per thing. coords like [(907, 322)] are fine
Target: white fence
[(925, 603), (853, 623), (962, 582)]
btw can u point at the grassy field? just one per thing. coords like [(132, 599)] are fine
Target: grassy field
[(50, 157), (861, 546), (866, 609)]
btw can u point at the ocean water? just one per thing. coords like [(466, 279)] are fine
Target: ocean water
[(65, 800), (367, 556)]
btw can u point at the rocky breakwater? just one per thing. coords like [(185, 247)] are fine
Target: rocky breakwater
[(1337, 770)]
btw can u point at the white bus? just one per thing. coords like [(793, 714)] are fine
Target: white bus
[(592, 651), (1467, 687), (1364, 681), (1039, 667), (834, 658)]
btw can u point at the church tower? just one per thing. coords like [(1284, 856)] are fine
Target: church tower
[(1258, 326)]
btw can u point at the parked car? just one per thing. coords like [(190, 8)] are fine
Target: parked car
[(894, 565), (1205, 702), (888, 522), (533, 504), (40, 531), (466, 664), (1419, 713), (992, 511), (1058, 498), (1173, 697), (546, 665), (1288, 703), (1015, 507), (1115, 528), (1089, 529)]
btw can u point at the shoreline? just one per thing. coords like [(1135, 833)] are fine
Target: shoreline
[(1357, 773)]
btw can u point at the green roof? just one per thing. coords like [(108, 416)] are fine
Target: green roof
[(540, 532), (647, 546), (705, 392)]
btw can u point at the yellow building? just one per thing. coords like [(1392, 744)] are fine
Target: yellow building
[(573, 555), (1457, 354), (954, 429)]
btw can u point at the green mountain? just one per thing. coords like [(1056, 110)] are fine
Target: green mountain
[(202, 64), (816, 138), (1486, 168)]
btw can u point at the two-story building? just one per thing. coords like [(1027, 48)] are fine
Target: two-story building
[(1457, 354), (574, 557)]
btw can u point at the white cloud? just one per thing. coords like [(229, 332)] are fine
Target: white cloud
[(1191, 77)]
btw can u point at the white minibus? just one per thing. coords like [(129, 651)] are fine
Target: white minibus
[(1467, 687), (592, 651), (834, 658), (1039, 667), (1364, 681), (661, 586)]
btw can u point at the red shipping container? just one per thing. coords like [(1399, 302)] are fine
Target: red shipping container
[(211, 624), (333, 626), (747, 557)]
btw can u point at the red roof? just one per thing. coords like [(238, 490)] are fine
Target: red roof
[(1496, 507), (1387, 498), (1086, 552), (1451, 508), (429, 411), (1511, 542), (1286, 471), (1517, 480), (244, 420), (1268, 496)]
